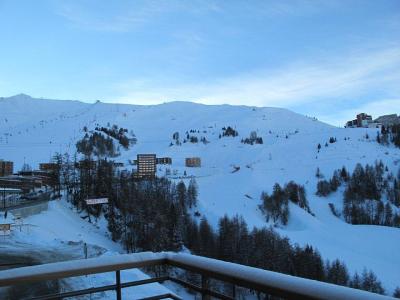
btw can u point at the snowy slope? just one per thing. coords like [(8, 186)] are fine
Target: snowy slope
[(34, 129), (58, 234)]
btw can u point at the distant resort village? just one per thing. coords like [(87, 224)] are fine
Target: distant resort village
[(19, 188), (365, 121)]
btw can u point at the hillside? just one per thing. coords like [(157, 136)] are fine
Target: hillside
[(33, 130)]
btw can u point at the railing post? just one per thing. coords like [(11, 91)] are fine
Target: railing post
[(233, 291), (118, 284), (204, 288)]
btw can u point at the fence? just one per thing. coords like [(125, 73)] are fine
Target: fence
[(272, 283)]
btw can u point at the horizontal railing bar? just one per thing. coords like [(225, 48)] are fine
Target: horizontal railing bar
[(88, 291), (144, 281), (163, 296), (269, 282), (199, 289), (75, 268), (106, 288), (257, 279), (243, 283)]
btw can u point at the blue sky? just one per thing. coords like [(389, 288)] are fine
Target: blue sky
[(328, 59)]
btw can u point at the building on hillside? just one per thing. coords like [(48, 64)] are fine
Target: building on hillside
[(163, 160), (351, 124), (6, 168), (24, 183), (388, 120), (47, 178), (86, 164), (362, 120), (49, 167), (193, 162), (146, 165)]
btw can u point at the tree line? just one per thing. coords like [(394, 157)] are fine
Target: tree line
[(276, 206), (371, 194), (120, 134), (389, 134), (159, 215)]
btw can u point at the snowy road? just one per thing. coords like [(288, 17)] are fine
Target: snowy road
[(59, 234)]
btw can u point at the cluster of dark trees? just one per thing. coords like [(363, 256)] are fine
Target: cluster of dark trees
[(266, 249), (98, 145), (176, 140), (331, 141), (253, 139), (276, 205), (192, 139), (228, 131), (189, 138), (369, 195), (145, 215), (389, 134), (325, 187), (120, 134)]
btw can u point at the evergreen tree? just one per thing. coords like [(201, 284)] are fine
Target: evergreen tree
[(192, 193), (207, 242), (370, 283), (323, 188), (396, 293), (337, 273), (181, 193), (388, 214), (356, 281)]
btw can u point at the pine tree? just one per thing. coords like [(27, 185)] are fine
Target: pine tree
[(323, 188), (356, 281), (344, 174), (181, 193), (388, 214), (207, 242), (192, 193), (337, 273), (396, 293), (335, 181), (370, 283)]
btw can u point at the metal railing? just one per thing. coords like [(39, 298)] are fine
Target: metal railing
[(271, 283)]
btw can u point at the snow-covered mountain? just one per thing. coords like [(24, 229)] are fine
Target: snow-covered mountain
[(33, 130)]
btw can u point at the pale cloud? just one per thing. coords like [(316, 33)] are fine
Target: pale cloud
[(294, 7), (128, 16), (111, 17), (124, 17), (295, 84), (305, 83)]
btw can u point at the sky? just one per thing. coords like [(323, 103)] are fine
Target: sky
[(327, 59)]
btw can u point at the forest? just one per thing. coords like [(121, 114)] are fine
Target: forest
[(371, 194), (161, 215)]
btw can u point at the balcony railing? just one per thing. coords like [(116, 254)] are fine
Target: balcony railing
[(271, 283)]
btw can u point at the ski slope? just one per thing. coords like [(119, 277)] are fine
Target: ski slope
[(33, 130)]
